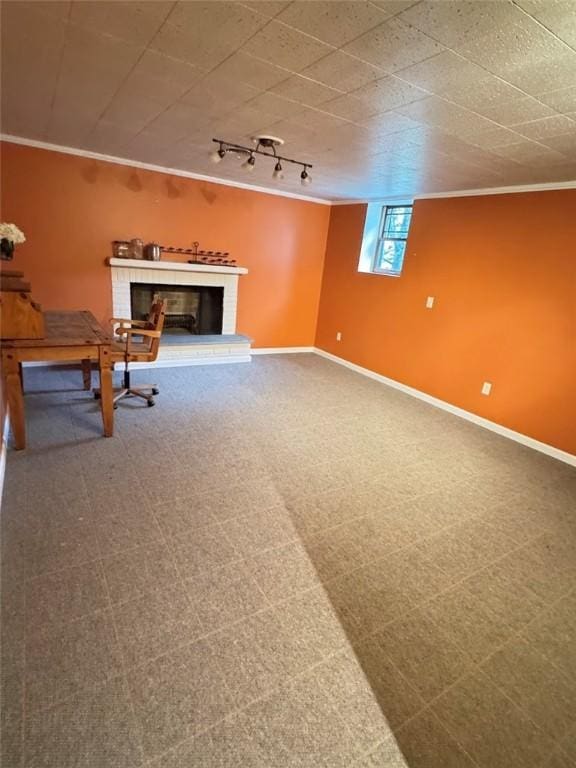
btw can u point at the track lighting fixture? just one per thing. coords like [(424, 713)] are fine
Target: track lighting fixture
[(263, 145), (249, 163), (218, 154)]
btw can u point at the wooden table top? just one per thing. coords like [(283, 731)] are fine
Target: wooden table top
[(66, 328)]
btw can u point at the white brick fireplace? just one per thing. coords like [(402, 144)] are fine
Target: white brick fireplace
[(228, 349)]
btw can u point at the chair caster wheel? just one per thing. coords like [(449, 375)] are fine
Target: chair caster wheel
[(155, 391), (150, 403), (115, 406), (96, 395)]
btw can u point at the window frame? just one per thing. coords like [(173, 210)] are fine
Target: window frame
[(374, 269)]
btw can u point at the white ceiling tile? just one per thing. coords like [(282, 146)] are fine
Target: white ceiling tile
[(334, 23), (318, 120), (486, 92), (272, 104), (215, 91), (389, 123), (393, 46), (536, 76), (268, 7), (511, 47), (496, 137), (559, 16), (247, 69), (393, 7), (134, 20), (342, 71), (132, 113), (442, 73), (515, 111), (88, 51), (439, 113), (306, 91), (351, 108), (205, 33), (566, 143), (244, 122), (562, 100), (176, 122), (161, 67), (89, 92), (546, 128), (286, 47), (456, 22), (164, 92), (530, 153), (389, 93), (28, 26)]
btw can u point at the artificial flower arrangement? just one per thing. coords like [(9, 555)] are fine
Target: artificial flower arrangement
[(10, 235)]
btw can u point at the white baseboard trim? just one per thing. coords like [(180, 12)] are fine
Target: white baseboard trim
[(282, 350), (530, 442)]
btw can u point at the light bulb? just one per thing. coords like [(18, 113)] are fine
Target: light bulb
[(249, 164), (278, 172), (218, 155), (305, 178)]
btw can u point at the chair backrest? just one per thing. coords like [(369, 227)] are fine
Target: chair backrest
[(155, 322)]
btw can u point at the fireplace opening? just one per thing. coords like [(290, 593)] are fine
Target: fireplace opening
[(190, 309)]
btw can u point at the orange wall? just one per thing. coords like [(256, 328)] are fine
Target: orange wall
[(71, 208), (502, 269)]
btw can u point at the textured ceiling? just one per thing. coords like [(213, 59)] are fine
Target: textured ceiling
[(385, 98)]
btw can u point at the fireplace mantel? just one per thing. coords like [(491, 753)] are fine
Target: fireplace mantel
[(175, 266)]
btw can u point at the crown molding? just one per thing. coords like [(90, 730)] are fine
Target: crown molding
[(548, 187), (157, 168)]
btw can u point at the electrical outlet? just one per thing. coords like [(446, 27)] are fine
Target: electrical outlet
[(338, 336), (429, 302), (486, 388)]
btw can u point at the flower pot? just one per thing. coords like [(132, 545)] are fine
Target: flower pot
[(6, 249)]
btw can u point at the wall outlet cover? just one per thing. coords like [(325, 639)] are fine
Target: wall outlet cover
[(338, 336), (486, 388), (429, 302)]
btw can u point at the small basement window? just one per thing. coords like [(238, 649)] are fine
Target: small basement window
[(384, 240)]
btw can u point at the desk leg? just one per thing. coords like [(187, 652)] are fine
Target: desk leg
[(15, 398), (87, 373), (106, 391)]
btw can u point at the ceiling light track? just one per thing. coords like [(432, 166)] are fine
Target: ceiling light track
[(265, 146)]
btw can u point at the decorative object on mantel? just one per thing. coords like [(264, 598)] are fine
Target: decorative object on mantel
[(10, 236), (128, 249), (121, 249), (153, 251), (261, 143), (136, 248)]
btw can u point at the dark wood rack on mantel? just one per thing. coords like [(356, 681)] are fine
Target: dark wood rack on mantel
[(214, 258)]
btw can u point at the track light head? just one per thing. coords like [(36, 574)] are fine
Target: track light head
[(218, 154), (305, 178), (249, 163), (278, 172)]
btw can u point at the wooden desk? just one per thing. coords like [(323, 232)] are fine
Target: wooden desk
[(69, 336)]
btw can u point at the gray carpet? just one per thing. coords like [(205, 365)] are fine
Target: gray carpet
[(283, 564)]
